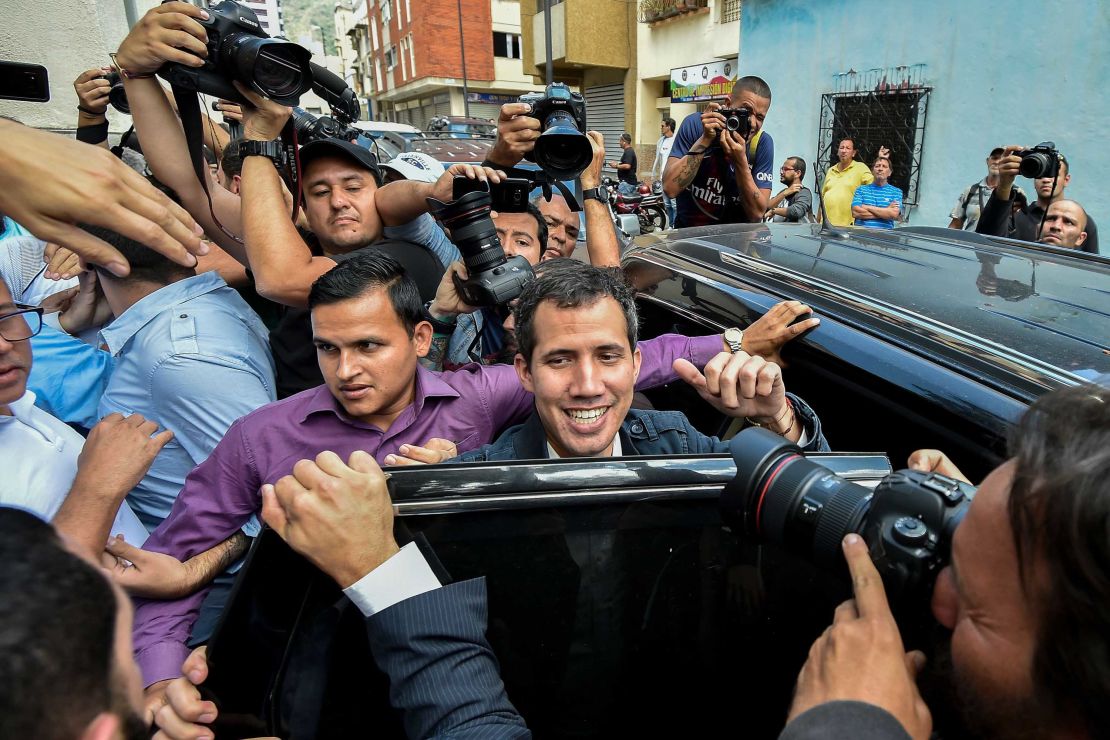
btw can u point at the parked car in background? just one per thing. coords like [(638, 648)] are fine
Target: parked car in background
[(391, 138), (450, 149), (462, 127), (620, 604)]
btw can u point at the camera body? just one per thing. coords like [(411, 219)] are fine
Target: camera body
[(738, 120), (908, 521), (508, 196), (238, 49), (563, 149), (493, 278), (310, 127), (117, 96), (1043, 160)]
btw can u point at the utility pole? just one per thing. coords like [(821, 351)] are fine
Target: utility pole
[(547, 38), (462, 51)]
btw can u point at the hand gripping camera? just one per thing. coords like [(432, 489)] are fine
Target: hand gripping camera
[(238, 49), (738, 120), (907, 522), (494, 279), (563, 151)]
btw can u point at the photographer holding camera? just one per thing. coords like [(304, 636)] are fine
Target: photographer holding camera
[(1065, 222), (1026, 598), (719, 169)]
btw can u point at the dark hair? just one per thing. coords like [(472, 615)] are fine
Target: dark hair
[(669, 121), (58, 617), (571, 284), (847, 138), (541, 229), (366, 270), (799, 165), (230, 162), (147, 265), (752, 84), (1059, 512), (626, 137)]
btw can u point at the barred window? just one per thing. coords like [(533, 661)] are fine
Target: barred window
[(730, 11)]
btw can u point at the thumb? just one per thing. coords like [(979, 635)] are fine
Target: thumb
[(915, 663), (689, 374), (363, 462), (272, 513), (438, 443), (195, 667), (122, 549)]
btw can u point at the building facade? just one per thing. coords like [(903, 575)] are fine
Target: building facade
[(413, 62), (687, 57), (269, 15), (942, 87)]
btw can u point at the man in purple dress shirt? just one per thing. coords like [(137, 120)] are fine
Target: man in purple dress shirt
[(370, 330)]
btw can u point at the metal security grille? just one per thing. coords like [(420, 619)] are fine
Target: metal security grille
[(730, 11), (605, 113), (485, 110), (891, 118)]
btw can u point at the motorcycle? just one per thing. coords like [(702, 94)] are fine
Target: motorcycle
[(646, 205)]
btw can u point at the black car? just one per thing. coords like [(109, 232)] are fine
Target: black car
[(620, 603)]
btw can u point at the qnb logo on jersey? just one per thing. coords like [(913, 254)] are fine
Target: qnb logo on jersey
[(763, 177)]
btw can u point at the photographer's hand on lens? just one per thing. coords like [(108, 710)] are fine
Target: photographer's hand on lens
[(448, 303), (53, 183), (443, 189), (1009, 167), (740, 385), (167, 33), (339, 516), (735, 148), (767, 334), (712, 124), (517, 132), (861, 656), (92, 90), (435, 450), (935, 461), (231, 111), (263, 119)]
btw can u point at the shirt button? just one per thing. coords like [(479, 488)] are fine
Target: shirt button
[(183, 316), (637, 428)]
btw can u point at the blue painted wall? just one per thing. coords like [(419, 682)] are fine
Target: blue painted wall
[(1002, 73)]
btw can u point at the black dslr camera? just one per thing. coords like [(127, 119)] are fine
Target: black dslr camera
[(117, 96), (238, 49), (313, 128), (563, 151), (508, 196), (907, 522), (1041, 161), (738, 120), (494, 279)]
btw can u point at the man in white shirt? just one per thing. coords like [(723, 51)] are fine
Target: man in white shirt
[(662, 151)]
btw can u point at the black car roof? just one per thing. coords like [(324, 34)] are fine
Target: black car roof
[(1041, 308)]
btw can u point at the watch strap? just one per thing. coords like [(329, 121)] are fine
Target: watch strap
[(273, 150), (441, 327), (595, 194)]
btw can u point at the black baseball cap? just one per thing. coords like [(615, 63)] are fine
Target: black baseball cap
[(339, 148)]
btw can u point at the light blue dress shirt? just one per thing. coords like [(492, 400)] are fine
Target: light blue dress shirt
[(193, 357)]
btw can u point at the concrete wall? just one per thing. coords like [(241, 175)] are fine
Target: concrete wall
[(1016, 74), (67, 38)]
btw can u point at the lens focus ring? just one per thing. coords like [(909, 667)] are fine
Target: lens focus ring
[(840, 516)]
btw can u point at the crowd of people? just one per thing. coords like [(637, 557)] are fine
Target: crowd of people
[(184, 358), (713, 175)]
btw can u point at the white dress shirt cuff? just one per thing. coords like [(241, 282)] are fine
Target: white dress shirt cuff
[(403, 576)]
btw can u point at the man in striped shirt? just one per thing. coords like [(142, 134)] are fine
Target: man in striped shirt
[(878, 203)]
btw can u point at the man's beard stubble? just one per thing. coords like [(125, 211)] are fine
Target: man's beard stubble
[(962, 710)]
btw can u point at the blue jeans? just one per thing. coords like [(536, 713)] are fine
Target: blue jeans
[(671, 208), (626, 188)]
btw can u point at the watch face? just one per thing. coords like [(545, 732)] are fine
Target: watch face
[(734, 337)]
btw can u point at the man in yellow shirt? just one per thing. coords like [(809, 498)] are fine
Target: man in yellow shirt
[(841, 182)]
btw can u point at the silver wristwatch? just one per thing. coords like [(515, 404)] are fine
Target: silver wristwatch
[(734, 338)]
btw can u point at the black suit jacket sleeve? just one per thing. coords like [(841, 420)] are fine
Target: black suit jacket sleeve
[(994, 220), (443, 675), (845, 719)]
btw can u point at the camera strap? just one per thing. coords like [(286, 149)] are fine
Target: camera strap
[(188, 107)]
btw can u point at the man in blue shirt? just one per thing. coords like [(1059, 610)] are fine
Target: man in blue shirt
[(877, 204), (188, 352), (717, 176)]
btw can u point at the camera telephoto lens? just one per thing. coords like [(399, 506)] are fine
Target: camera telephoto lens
[(780, 496), (1035, 165), (278, 68), (117, 96), (562, 150)]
